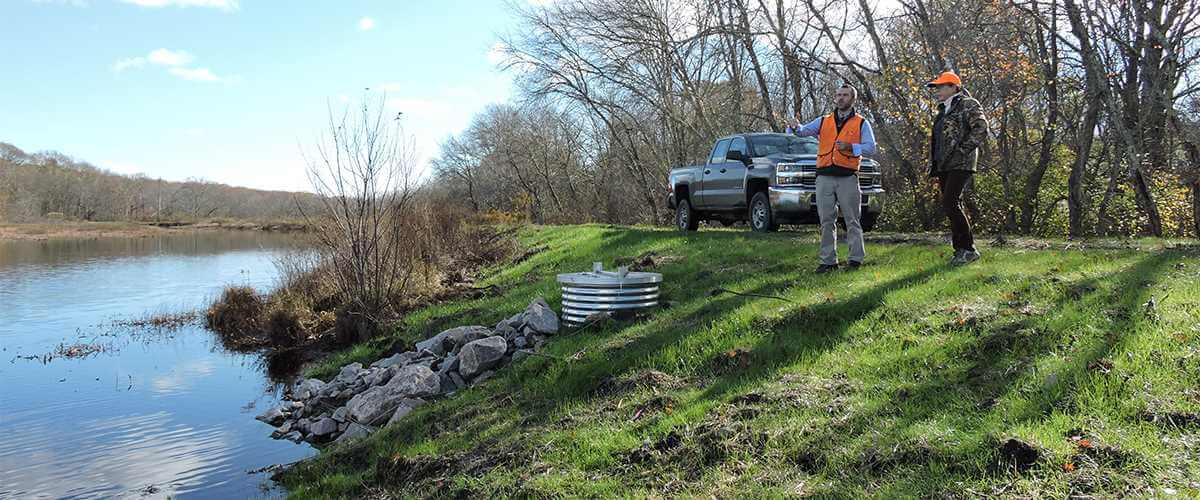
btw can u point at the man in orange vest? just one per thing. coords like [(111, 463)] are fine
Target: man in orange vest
[(843, 138)]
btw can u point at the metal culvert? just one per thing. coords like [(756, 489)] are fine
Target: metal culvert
[(614, 292)]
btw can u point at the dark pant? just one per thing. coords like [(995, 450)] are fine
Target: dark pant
[(951, 185)]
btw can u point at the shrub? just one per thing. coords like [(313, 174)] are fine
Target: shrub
[(236, 313)]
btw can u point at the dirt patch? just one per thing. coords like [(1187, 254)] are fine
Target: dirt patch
[(645, 379), (653, 406), (1168, 418), (696, 448), (432, 470), (650, 450), (879, 461), (646, 261), (971, 314), (804, 391), (731, 361), (1018, 455)]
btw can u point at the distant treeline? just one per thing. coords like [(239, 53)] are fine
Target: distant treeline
[(48, 185), (1094, 105)]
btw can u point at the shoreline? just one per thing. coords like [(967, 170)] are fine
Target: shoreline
[(64, 230)]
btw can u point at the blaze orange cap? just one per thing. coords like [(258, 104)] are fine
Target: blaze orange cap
[(946, 78)]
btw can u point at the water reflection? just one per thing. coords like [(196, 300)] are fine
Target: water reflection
[(159, 415)]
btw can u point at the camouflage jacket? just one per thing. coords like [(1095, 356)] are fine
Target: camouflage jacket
[(964, 129)]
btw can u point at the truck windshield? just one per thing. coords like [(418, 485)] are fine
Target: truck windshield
[(773, 144)]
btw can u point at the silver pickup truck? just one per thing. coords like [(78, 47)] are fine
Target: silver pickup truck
[(765, 178)]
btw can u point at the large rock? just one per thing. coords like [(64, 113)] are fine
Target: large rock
[(448, 385), (427, 362), (454, 338), (405, 407), (372, 405), (514, 322), (415, 381), (331, 389), (355, 431), (457, 380), (349, 373), (433, 344), (480, 355), (341, 414), (448, 364), (323, 427), (540, 318), (506, 329), (273, 416), (307, 388), (396, 359), (377, 376)]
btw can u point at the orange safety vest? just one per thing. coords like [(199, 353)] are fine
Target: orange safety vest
[(828, 155)]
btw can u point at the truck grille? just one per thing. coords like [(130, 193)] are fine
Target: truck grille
[(868, 176)]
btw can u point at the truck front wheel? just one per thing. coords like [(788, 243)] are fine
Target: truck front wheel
[(868, 222), (761, 218), (685, 217)]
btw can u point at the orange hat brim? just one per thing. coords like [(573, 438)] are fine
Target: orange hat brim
[(944, 80)]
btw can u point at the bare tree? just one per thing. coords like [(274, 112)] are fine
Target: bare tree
[(363, 171)]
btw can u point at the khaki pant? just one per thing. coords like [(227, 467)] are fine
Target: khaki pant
[(833, 194)]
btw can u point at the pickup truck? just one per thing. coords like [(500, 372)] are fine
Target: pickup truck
[(766, 179)]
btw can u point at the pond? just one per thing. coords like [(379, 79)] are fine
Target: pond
[(92, 408)]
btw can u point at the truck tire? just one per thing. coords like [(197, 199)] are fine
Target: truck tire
[(685, 217), (868, 222), (761, 218)]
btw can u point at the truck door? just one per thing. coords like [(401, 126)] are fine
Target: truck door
[(705, 195), (727, 189)]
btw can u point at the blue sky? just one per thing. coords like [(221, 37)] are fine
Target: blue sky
[(232, 90)]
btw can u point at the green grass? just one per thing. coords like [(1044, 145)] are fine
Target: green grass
[(898, 380)]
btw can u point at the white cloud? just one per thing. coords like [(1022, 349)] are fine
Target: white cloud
[(168, 57), (199, 74), (176, 62), (132, 62), (161, 57), (226, 5), (366, 24)]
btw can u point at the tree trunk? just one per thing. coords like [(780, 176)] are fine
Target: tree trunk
[(1033, 184), (1076, 203)]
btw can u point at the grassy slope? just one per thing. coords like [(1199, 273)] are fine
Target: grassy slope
[(896, 380)]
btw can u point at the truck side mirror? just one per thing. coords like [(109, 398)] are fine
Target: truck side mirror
[(735, 155)]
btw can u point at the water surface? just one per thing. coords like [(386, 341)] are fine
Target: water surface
[(158, 413)]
